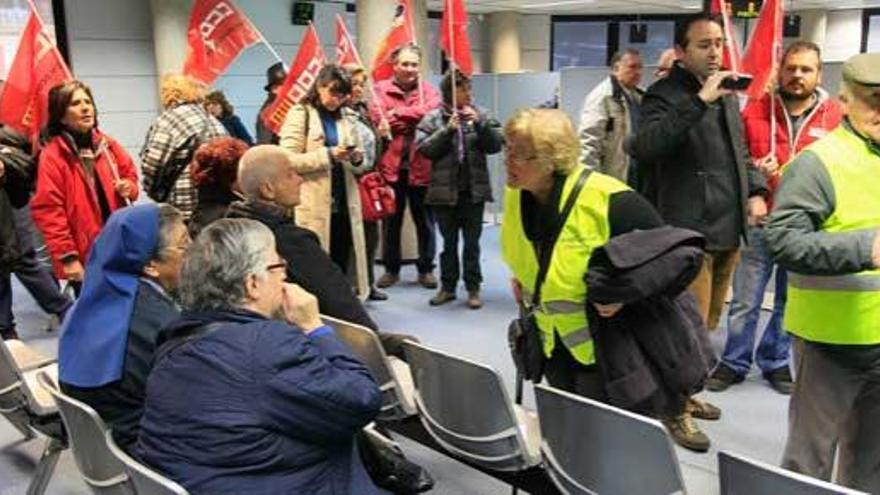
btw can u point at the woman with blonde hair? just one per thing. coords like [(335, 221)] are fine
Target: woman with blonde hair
[(172, 140), (321, 129), (543, 171)]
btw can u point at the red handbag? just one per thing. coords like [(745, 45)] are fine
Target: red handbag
[(377, 197)]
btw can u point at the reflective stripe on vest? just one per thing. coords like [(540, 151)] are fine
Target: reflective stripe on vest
[(841, 309), (562, 311)]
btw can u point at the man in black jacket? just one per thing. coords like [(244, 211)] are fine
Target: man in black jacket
[(700, 174), (267, 177)]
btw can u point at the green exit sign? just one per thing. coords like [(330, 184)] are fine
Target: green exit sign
[(303, 13)]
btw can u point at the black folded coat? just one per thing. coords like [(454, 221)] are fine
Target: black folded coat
[(652, 353)]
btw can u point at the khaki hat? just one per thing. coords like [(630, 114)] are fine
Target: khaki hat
[(863, 69)]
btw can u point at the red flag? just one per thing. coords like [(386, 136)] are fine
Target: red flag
[(732, 57), (217, 33), (401, 33), (763, 51), (346, 52), (305, 67), (454, 25), (37, 68)]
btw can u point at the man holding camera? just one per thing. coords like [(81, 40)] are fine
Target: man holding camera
[(701, 176)]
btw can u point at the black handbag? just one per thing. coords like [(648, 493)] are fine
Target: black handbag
[(167, 175), (523, 334), (389, 468)]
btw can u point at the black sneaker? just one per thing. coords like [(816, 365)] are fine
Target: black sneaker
[(780, 379), (8, 334), (722, 378)]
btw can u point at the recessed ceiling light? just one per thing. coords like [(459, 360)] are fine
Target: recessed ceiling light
[(555, 4)]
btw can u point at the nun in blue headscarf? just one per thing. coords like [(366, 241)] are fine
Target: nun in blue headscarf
[(109, 336)]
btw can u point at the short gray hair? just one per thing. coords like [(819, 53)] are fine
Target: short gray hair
[(219, 261), (258, 165), (169, 217)]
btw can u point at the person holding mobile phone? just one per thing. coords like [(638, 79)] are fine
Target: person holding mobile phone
[(697, 170)]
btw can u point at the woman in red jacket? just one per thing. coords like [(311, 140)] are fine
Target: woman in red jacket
[(83, 177)]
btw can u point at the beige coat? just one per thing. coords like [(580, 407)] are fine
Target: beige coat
[(303, 134)]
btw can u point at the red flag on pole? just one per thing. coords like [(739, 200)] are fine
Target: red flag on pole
[(732, 57), (401, 33), (302, 74), (454, 36), (217, 33), (763, 51), (346, 53), (37, 68)]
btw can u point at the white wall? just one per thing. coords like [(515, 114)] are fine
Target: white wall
[(535, 42), (843, 35), (111, 49)]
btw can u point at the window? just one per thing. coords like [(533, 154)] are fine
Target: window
[(871, 30), (660, 37), (13, 15), (579, 44)]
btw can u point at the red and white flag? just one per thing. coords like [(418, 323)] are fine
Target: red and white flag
[(346, 52), (764, 49), (218, 32), (454, 36), (302, 74), (37, 68), (401, 33), (732, 57)]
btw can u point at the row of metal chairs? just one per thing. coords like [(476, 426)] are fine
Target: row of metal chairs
[(31, 401), (586, 447)]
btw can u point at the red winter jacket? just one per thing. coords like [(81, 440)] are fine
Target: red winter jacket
[(756, 119), (65, 206), (404, 111)]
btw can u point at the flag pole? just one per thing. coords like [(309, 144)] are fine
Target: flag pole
[(263, 40), (412, 38), (43, 32), (451, 34)]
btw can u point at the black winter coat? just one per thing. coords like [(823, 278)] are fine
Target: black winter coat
[(651, 353), (681, 146), (16, 186), (441, 145), (307, 264)]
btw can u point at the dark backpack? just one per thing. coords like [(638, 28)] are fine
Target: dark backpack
[(168, 174)]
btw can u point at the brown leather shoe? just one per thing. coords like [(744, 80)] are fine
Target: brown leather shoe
[(428, 280), (387, 280), (442, 297), (685, 432), (702, 409), (473, 300)]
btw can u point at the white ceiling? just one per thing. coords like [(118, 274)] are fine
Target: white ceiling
[(608, 7)]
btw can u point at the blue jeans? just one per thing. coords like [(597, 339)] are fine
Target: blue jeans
[(749, 282)]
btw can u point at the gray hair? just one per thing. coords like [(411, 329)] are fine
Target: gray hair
[(169, 217), (258, 165), (219, 261)]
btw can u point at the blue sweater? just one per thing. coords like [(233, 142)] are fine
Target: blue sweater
[(258, 407)]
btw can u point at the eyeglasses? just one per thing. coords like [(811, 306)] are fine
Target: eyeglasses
[(275, 266)]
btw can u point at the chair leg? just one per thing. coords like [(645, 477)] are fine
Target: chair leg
[(46, 467), (514, 491), (24, 430)]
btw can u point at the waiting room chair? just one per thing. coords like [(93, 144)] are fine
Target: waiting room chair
[(466, 408), (86, 431), (143, 479), (30, 408), (392, 374), (590, 447), (740, 475)]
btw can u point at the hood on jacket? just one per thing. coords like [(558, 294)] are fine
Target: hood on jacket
[(94, 334)]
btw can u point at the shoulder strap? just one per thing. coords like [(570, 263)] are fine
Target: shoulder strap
[(177, 339), (546, 251)]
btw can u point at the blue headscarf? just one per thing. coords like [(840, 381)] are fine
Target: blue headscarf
[(95, 332)]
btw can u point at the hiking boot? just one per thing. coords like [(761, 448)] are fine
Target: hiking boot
[(702, 410), (685, 432), (780, 379), (377, 295), (387, 280), (442, 297), (722, 378), (473, 300), (428, 280)]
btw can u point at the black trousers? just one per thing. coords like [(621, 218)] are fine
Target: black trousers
[(36, 277), (424, 222), (465, 217), (566, 373), (371, 237), (341, 241)]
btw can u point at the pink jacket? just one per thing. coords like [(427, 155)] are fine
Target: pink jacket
[(404, 111)]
